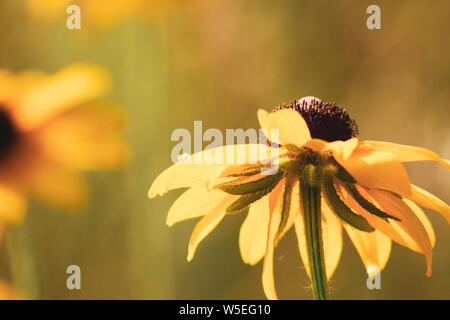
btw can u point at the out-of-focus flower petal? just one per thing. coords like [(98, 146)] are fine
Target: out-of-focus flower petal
[(373, 247), (59, 187), (8, 292), (196, 202), (430, 201), (331, 237), (45, 9), (291, 127), (408, 153), (56, 93), (12, 205), (207, 224), (86, 138), (377, 169)]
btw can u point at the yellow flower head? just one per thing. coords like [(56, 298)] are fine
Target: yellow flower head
[(321, 167), (49, 130)]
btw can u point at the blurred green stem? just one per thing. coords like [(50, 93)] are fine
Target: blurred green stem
[(22, 260)]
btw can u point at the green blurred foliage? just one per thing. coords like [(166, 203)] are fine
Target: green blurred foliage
[(219, 61)]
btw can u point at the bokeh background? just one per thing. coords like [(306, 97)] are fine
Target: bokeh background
[(219, 61)]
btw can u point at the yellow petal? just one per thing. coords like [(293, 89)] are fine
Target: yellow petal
[(56, 93), (273, 225), (409, 222), (207, 224), (253, 234), (331, 238), (408, 153), (377, 169), (86, 138), (12, 206), (430, 201), (196, 202), (183, 176), (193, 171), (340, 149), (373, 247), (59, 187), (389, 228), (423, 218), (289, 126)]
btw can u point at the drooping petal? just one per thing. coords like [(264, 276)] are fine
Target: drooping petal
[(409, 222), (290, 127), (408, 153), (253, 234), (207, 224), (389, 228), (54, 94), (430, 201), (197, 202), (377, 169), (373, 248), (86, 138), (12, 205), (198, 170), (423, 218), (272, 227), (331, 238)]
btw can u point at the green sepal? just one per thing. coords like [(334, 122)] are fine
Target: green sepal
[(363, 202), (293, 148), (250, 184), (310, 176), (243, 170), (340, 208), (244, 201)]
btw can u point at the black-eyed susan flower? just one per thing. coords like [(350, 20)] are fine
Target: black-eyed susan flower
[(50, 129), (313, 175)]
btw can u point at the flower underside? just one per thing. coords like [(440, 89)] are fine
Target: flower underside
[(252, 182), (8, 132)]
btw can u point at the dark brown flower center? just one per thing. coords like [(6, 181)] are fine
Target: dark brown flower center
[(8, 132), (326, 120)]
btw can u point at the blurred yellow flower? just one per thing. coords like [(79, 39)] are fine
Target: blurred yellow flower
[(49, 130), (101, 12), (326, 180)]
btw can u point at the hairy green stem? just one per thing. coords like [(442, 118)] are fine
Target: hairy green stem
[(310, 203)]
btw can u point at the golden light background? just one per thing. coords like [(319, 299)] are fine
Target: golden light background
[(219, 61)]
